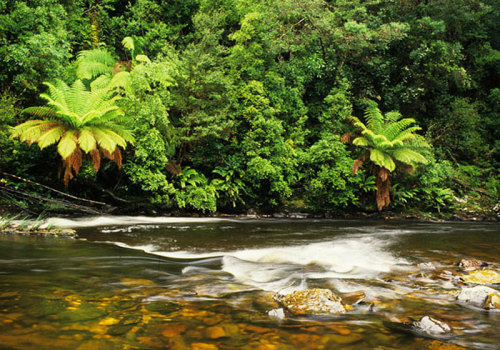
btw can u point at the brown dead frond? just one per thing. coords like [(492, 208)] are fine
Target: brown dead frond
[(117, 157), (72, 165), (357, 164), (173, 168), (346, 138), (96, 159)]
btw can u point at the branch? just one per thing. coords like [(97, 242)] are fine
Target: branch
[(65, 203), (467, 187), (53, 189)]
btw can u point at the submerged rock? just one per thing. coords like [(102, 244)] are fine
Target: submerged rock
[(426, 327), (278, 314), (482, 277), (471, 264), (312, 302), (480, 296), (426, 266), (431, 326)]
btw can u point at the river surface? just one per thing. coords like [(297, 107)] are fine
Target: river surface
[(160, 283)]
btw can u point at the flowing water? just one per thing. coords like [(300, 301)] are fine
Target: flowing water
[(156, 283)]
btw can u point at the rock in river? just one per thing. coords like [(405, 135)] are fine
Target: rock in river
[(312, 302), (482, 277), (480, 296), (432, 327), (471, 264)]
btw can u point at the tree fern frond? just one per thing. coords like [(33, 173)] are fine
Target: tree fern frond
[(391, 117), (86, 140), (407, 134), (49, 137), (100, 83), (77, 98), (408, 156), (108, 140), (67, 145), (382, 159), (41, 112), (361, 142), (93, 63), (57, 94), (120, 80), (374, 118), (392, 130)]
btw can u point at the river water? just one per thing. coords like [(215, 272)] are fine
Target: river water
[(156, 283)]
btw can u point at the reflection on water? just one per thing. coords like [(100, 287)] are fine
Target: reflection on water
[(208, 284)]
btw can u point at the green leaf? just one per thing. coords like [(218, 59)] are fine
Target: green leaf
[(67, 145), (50, 137), (86, 140)]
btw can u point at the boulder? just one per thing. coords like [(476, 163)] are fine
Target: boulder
[(471, 264), (480, 296), (312, 302), (277, 314), (432, 327), (482, 277)]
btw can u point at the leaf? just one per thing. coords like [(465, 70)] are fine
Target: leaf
[(50, 137), (86, 140), (382, 159), (142, 58), (361, 142), (128, 43), (67, 145)]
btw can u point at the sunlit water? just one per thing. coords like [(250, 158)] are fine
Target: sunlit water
[(145, 283)]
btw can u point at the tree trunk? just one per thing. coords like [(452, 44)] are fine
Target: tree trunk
[(383, 182)]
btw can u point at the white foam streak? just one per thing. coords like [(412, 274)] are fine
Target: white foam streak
[(289, 267), (126, 220)]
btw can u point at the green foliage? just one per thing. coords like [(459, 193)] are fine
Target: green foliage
[(388, 138), (327, 180), (250, 98)]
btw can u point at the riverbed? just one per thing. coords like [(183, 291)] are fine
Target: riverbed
[(156, 283)]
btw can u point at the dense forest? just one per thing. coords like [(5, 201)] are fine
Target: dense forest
[(230, 105)]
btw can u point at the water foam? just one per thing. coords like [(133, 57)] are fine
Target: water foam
[(126, 220), (279, 267)]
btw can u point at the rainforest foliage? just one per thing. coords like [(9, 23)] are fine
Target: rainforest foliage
[(228, 105)]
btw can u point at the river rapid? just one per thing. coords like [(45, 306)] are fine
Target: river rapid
[(196, 283)]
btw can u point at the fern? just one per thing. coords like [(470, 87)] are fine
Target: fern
[(388, 139)]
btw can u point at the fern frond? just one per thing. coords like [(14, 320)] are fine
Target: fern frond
[(391, 117), (41, 112), (374, 118), (408, 156), (382, 159), (395, 128), (128, 43), (93, 63), (361, 142), (67, 145), (86, 140), (50, 136)]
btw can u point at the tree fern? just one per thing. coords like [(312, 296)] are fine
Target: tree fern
[(388, 139), (81, 122)]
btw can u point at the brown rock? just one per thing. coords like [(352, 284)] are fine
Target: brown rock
[(173, 330), (215, 332), (471, 264), (203, 346), (312, 301)]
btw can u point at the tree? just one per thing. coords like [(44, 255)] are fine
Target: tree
[(388, 140), (77, 119)]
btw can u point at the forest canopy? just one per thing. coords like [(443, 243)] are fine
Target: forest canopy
[(231, 105)]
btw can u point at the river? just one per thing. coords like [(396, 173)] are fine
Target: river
[(195, 283)]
